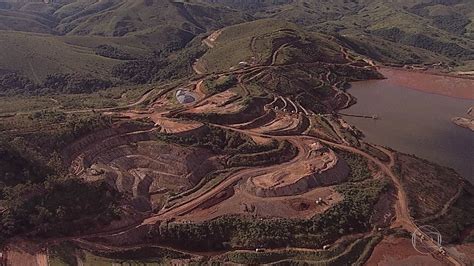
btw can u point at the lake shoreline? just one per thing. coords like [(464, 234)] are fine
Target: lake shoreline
[(435, 83), (415, 121), (432, 72)]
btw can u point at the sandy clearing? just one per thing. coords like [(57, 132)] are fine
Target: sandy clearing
[(466, 250), (242, 203), (173, 126), (214, 103), (261, 140), (211, 39), (399, 251), (283, 122), (25, 256)]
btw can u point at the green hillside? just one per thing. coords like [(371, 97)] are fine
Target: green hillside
[(37, 56), (89, 38), (92, 38), (255, 42), (394, 31), (119, 18)]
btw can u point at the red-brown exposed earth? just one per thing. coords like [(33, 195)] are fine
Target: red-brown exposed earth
[(432, 83)]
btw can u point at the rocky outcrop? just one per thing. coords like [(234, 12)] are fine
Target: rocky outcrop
[(336, 172), (464, 122)]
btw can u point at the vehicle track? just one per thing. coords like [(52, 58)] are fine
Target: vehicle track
[(403, 217)]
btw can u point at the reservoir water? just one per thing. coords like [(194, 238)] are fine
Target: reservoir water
[(414, 121)]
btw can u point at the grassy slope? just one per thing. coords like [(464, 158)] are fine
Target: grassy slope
[(120, 17), (358, 21), (154, 25), (37, 55), (21, 21), (136, 27), (234, 44)]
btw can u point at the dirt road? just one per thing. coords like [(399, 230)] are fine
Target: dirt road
[(403, 218)]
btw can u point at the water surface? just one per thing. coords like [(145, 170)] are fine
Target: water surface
[(415, 122)]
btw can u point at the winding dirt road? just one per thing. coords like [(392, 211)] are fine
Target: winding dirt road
[(403, 218)]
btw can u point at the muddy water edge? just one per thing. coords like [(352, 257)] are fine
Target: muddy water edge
[(415, 114)]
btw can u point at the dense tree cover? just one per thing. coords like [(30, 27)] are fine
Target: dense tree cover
[(241, 149), (460, 216), (68, 83), (160, 65), (13, 83), (349, 216), (218, 140), (142, 70), (19, 167), (218, 84), (36, 196), (56, 207), (452, 23), (110, 51), (67, 128), (425, 42), (358, 164), (35, 153)]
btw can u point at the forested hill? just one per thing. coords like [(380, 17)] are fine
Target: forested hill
[(405, 31), (87, 45)]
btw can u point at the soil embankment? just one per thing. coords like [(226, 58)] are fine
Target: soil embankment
[(439, 84), (399, 251)]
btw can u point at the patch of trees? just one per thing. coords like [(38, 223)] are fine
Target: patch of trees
[(455, 23), (343, 253), (160, 66), (358, 164), (70, 128), (35, 197), (35, 154), (219, 140), (17, 166), (110, 51), (460, 216), (352, 215), (141, 71), (56, 207), (5, 5), (123, 27), (310, 102), (69, 83), (242, 150), (218, 84), (171, 62), (13, 83), (358, 47)]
